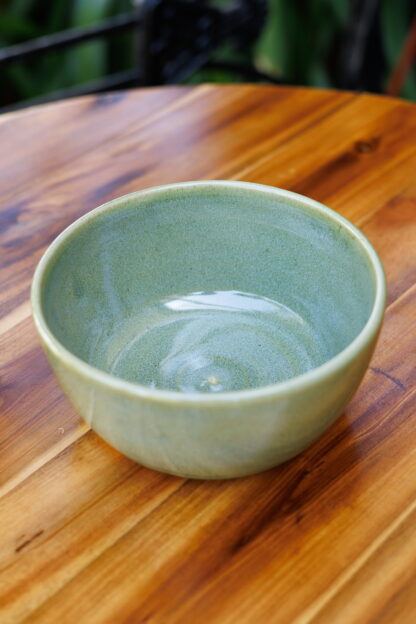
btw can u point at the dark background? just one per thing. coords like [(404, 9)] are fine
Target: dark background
[(321, 43)]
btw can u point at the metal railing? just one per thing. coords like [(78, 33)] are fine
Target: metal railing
[(68, 38)]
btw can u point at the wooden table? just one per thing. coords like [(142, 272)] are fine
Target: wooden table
[(87, 535)]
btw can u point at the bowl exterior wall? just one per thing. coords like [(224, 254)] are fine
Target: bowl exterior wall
[(214, 441)]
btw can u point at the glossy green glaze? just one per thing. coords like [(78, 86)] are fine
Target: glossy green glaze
[(210, 329)]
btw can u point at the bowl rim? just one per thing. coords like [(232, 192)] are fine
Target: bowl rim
[(132, 389)]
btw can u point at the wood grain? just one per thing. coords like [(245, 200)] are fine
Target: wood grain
[(89, 536)]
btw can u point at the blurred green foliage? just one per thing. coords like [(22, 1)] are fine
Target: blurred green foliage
[(298, 39), (21, 20), (301, 37), (297, 44)]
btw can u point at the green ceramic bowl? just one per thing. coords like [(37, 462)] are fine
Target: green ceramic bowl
[(209, 329)]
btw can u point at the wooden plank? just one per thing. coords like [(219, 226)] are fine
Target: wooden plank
[(36, 419), (81, 502), (31, 151), (383, 586), (336, 161), (393, 231)]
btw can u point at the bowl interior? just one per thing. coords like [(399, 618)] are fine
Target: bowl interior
[(207, 288)]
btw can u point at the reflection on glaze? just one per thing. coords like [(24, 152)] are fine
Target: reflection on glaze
[(229, 301), (213, 342)]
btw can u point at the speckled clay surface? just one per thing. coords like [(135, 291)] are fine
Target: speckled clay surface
[(210, 329)]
